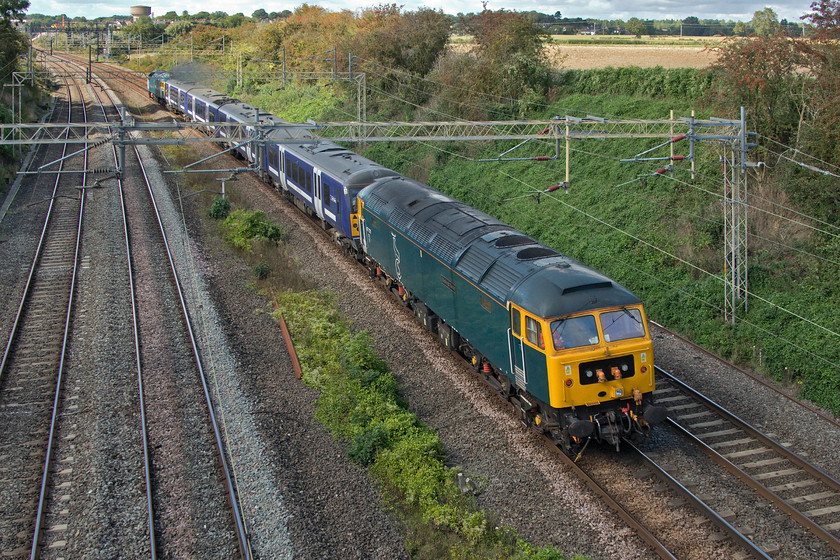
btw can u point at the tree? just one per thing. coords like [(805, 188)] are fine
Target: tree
[(764, 75), (825, 16), (13, 43), (11, 10), (765, 23), (232, 21), (178, 28), (509, 58), (502, 36), (635, 26), (410, 41), (144, 27), (740, 29), (260, 14)]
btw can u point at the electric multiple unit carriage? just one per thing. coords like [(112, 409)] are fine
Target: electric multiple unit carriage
[(568, 346)]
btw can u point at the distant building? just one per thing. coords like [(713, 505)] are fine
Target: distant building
[(137, 11)]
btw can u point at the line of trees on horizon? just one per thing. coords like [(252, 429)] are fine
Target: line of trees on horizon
[(553, 24)]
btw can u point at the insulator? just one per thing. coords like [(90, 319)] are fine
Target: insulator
[(678, 138), (661, 170), (677, 158), (552, 188), (542, 158), (546, 129)]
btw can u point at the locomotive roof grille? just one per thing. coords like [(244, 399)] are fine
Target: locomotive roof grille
[(584, 287), (513, 240), (533, 253)]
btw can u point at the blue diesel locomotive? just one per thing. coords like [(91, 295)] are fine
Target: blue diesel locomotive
[(569, 347)]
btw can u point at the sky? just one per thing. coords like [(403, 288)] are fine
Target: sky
[(594, 9)]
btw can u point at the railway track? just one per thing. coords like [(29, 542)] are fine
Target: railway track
[(734, 533), (804, 492), (91, 499), (33, 364), (145, 231)]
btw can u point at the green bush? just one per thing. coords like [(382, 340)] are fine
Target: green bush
[(262, 270), (220, 209), (243, 227)]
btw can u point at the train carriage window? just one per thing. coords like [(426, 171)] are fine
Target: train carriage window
[(326, 193), (515, 321), (533, 332), (273, 157)]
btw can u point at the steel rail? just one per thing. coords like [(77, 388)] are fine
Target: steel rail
[(775, 446), (39, 518), (701, 506), (150, 517), (241, 531), (757, 378), (32, 269)]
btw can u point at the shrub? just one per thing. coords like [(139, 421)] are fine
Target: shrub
[(243, 227), (220, 209), (262, 270)]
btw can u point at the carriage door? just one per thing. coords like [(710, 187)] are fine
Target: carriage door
[(516, 346), (282, 169), (318, 201)]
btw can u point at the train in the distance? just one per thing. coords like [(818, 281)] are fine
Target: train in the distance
[(569, 347)]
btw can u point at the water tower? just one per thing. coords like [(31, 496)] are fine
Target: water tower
[(137, 11)]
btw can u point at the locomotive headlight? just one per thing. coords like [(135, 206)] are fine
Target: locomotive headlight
[(589, 373), (624, 367), (619, 392)]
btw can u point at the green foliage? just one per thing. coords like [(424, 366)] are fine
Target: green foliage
[(11, 10), (13, 44), (243, 227), (672, 83), (765, 23), (359, 402), (262, 270), (220, 209), (145, 27), (177, 28)]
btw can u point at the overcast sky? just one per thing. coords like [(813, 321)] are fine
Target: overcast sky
[(597, 9)]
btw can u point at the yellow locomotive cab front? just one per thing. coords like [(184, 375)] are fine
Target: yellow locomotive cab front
[(600, 356)]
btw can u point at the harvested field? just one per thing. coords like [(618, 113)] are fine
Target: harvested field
[(582, 57)]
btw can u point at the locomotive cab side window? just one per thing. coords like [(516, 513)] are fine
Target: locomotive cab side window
[(533, 332), (515, 321)]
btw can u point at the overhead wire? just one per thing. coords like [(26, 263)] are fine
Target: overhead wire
[(717, 308), (650, 245)]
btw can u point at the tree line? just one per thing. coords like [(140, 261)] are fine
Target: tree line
[(554, 24)]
